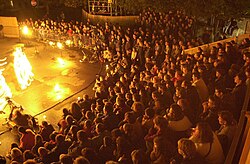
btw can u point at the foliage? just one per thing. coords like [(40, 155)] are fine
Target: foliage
[(221, 9)]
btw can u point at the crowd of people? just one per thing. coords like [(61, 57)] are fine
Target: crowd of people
[(155, 104)]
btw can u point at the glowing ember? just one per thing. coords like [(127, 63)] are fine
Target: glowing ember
[(22, 69), (4, 91)]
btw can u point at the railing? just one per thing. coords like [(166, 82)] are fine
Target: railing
[(239, 150), (122, 20)]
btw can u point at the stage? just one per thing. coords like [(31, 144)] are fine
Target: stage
[(58, 75)]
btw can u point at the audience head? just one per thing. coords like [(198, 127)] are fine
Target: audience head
[(186, 148)]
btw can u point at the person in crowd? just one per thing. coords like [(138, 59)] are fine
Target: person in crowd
[(239, 92), (45, 130), (60, 148), (16, 155), (177, 121), (27, 140), (139, 157), (200, 86), (207, 143), (210, 112), (228, 126), (81, 160), (162, 152), (28, 155), (148, 63), (107, 149), (188, 153), (38, 143), (77, 146)]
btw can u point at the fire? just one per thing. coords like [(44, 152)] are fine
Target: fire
[(22, 69), (4, 89), (59, 92)]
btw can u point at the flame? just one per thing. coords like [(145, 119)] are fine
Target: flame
[(22, 68), (26, 30), (4, 91)]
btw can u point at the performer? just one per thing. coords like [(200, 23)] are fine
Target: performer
[(17, 116)]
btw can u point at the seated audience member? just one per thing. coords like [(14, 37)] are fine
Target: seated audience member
[(207, 144), (60, 148), (107, 149), (16, 155), (177, 121), (38, 143), (188, 152), (77, 146), (2, 160), (90, 155), (27, 154), (228, 127), (139, 157), (162, 151), (81, 160), (210, 112), (46, 130), (43, 156), (98, 139), (65, 159), (27, 140)]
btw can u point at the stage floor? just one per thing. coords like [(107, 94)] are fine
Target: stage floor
[(53, 82)]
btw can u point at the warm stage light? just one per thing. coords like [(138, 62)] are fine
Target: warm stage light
[(22, 68), (61, 61), (68, 42), (59, 45), (25, 30), (51, 43)]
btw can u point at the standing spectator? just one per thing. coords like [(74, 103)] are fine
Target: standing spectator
[(239, 93)]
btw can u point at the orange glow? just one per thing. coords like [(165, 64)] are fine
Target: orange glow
[(58, 92), (61, 61), (26, 30), (51, 43), (59, 45), (4, 91), (68, 42), (23, 69)]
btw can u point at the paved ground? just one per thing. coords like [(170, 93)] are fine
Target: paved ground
[(74, 78)]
